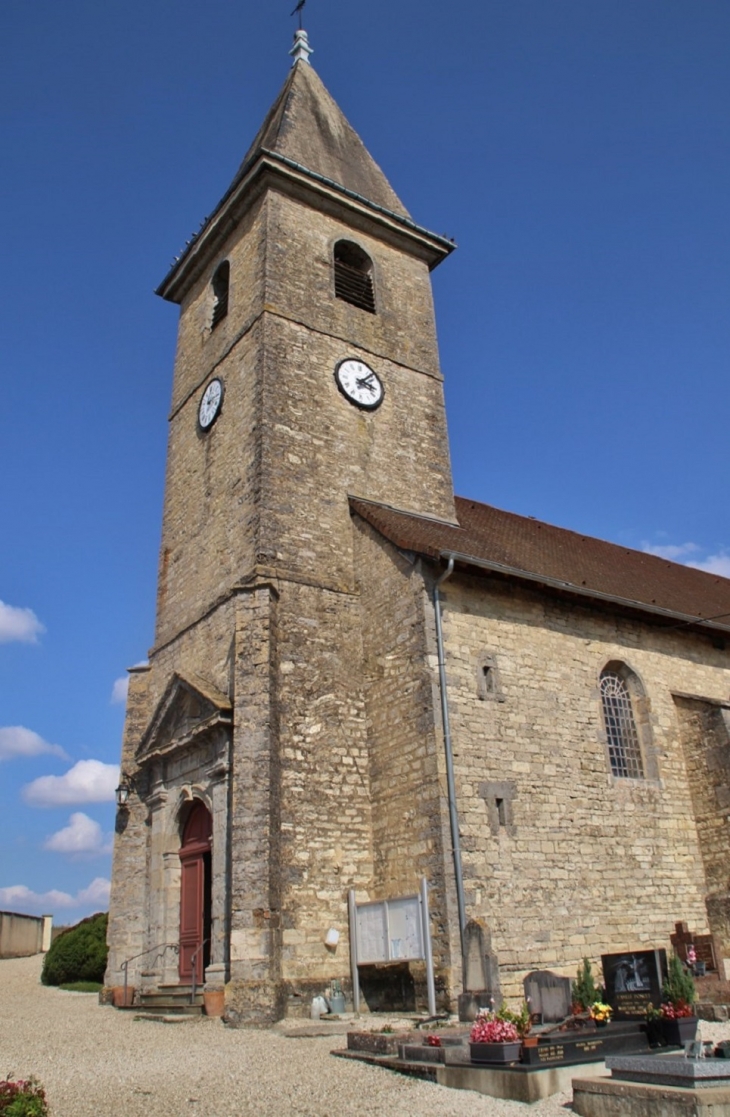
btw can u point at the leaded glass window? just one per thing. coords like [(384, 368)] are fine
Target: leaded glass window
[(624, 749)]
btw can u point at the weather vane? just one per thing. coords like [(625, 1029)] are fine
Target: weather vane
[(299, 8)]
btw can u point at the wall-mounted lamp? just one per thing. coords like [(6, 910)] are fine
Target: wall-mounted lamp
[(126, 787)]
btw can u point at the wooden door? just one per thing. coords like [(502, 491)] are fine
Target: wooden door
[(195, 894)]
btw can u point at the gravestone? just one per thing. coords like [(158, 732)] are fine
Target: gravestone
[(634, 981), (548, 994), (704, 945), (481, 972)]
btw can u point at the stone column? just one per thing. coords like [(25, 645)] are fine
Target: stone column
[(254, 994)]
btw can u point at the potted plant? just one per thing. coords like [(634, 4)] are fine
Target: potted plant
[(679, 1023), (494, 1040), (600, 1013), (584, 990), (655, 1027)]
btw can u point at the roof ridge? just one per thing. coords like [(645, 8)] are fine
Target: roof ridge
[(405, 512)]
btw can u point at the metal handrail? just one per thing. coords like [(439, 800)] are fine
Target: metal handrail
[(196, 952), (161, 947)]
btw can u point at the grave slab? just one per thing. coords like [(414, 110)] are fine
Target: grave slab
[(610, 1097), (670, 1070), (514, 1083)]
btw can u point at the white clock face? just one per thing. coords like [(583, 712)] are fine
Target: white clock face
[(210, 404), (359, 384)]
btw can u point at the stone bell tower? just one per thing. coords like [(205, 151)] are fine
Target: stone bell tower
[(306, 373)]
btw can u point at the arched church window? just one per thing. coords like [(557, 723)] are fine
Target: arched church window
[(624, 747), (220, 283), (354, 276)]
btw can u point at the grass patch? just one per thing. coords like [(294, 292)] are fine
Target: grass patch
[(81, 986)]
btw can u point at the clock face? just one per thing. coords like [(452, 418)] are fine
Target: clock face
[(359, 384), (210, 404)]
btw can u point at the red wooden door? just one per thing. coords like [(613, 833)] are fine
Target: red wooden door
[(194, 893)]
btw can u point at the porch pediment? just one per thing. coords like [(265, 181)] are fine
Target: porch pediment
[(189, 707)]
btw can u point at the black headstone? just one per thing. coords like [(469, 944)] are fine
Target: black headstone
[(634, 981)]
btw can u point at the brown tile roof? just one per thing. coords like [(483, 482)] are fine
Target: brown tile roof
[(520, 546)]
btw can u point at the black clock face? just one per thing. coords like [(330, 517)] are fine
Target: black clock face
[(210, 404), (359, 384)]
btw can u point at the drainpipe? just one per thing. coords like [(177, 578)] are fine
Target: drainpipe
[(451, 790)]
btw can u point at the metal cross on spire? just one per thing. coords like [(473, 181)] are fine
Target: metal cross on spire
[(301, 50)]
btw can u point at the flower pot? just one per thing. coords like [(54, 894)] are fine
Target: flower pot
[(214, 1002), (500, 1053), (119, 998), (655, 1033), (601, 1023), (680, 1031)]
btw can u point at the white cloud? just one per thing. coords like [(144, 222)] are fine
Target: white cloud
[(715, 564), (17, 897), (16, 740), (97, 893), (675, 552), (119, 690), (21, 625), (82, 836), (89, 781), (684, 552)]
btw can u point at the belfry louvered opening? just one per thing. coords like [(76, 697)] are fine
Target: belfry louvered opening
[(220, 284), (354, 276)]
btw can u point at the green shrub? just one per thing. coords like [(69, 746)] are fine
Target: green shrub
[(81, 986), (22, 1099), (79, 954), (679, 986), (584, 990)]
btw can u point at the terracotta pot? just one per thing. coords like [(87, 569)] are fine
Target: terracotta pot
[(500, 1053), (214, 1002), (118, 998)]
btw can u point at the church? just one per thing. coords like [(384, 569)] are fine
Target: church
[(360, 681)]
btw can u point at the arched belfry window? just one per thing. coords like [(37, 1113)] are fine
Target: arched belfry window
[(354, 276), (624, 746), (220, 283)]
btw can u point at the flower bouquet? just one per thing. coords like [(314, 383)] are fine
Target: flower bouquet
[(600, 1013), (493, 1040)]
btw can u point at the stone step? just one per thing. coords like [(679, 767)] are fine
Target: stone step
[(167, 1017), (154, 999), (170, 1008)]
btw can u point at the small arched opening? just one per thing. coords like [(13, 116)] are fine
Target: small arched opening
[(220, 284), (354, 276)]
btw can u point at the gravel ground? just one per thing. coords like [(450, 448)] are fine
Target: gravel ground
[(96, 1062)]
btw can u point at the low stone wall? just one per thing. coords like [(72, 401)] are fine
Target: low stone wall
[(23, 935)]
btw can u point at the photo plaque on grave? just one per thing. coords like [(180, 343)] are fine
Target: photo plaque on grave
[(634, 981)]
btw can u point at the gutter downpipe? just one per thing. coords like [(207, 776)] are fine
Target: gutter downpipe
[(451, 790)]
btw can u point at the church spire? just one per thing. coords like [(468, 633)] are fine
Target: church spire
[(301, 50)]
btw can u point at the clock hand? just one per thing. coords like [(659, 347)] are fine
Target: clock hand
[(366, 382)]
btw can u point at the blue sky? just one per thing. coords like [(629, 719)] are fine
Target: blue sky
[(579, 154)]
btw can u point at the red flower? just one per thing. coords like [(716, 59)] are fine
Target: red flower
[(489, 1029)]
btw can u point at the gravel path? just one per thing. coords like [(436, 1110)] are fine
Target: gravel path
[(96, 1062)]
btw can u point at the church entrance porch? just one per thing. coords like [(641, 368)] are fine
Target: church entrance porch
[(195, 894)]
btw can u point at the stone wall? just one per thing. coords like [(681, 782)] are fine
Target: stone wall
[(24, 935), (705, 736), (411, 836), (326, 846), (561, 859)]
